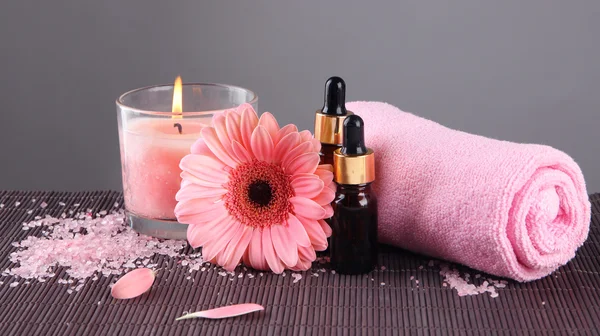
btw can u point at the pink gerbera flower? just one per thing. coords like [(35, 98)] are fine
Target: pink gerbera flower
[(256, 192)]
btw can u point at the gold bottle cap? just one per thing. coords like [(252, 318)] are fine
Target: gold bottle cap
[(354, 169), (354, 163), (330, 119)]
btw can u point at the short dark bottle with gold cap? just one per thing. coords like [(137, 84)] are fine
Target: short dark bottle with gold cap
[(329, 119), (354, 240)]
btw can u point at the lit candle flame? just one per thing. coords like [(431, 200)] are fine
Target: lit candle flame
[(177, 99)]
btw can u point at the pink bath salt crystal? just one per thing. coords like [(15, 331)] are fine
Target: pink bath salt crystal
[(417, 282), (43, 205), (296, 277), (412, 277), (133, 284), (383, 268), (421, 267)]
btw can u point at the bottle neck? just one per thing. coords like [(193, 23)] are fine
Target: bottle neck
[(366, 187)]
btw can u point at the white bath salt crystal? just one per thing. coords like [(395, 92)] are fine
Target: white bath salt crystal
[(544, 302), (500, 285), (116, 205), (382, 284), (17, 204), (332, 271), (230, 279), (16, 244), (188, 278), (71, 212), (63, 215), (383, 268), (223, 274), (103, 213), (261, 274), (296, 277), (37, 217), (76, 205), (1, 283), (14, 284), (203, 269), (62, 203), (1, 206), (283, 274), (372, 279), (421, 267), (184, 263), (494, 295), (29, 212), (27, 282), (412, 277), (315, 274), (79, 287), (445, 284), (322, 270), (99, 302), (417, 282), (95, 278), (240, 275), (43, 205), (69, 291), (25, 228)]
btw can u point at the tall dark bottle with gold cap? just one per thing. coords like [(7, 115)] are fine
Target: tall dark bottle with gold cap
[(354, 246), (329, 119)]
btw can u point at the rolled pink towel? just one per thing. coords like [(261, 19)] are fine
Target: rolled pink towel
[(513, 210)]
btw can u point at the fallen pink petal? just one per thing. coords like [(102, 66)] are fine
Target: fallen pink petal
[(133, 284), (224, 312)]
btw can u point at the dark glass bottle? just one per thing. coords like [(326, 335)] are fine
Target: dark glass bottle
[(354, 241), (354, 223)]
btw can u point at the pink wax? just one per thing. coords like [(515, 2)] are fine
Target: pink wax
[(151, 151)]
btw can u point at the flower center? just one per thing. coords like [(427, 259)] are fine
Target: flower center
[(258, 194)]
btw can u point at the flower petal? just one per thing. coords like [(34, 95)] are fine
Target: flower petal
[(328, 210), (232, 124), (313, 229), (205, 216), (248, 123), (205, 167), (307, 253), (240, 152), (297, 231), (305, 163), (199, 147), (325, 197), (284, 245), (306, 135), (268, 121), (198, 206), (285, 145), (325, 175), (234, 257), (262, 144), (326, 228), (212, 141), (133, 284), (285, 130), (316, 144), (221, 131), (302, 148), (227, 252), (308, 186), (307, 208), (256, 257), (205, 232), (274, 263), (219, 242), (190, 191)]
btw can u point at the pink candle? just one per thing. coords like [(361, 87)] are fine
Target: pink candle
[(152, 151)]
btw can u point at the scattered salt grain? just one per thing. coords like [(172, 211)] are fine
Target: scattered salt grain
[(99, 302), (332, 271), (184, 263), (322, 270), (421, 267), (250, 275), (1, 283), (69, 291), (315, 274), (43, 205), (382, 284), (62, 203), (29, 212), (76, 205), (33, 200), (283, 274), (116, 205), (261, 274), (383, 268), (102, 213), (1, 206), (203, 269), (296, 277), (412, 277), (14, 284), (17, 204), (223, 274), (453, 279), (188, 278), (544, 302), (241, 275)]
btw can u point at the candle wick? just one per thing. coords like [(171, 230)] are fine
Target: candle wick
[(179, 127)]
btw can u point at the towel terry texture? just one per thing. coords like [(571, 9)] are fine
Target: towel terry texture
[(508, 209)]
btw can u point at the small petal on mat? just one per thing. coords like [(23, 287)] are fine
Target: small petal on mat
[(133, 284), (224, 312)]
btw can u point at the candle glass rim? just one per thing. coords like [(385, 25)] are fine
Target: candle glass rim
[(122, 105)]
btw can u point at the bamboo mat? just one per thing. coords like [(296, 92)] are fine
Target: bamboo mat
[(386, 301)]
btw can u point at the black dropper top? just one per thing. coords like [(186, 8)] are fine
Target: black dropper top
[(354, 136), (335, 97)]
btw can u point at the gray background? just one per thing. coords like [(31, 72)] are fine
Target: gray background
[(525, 71)]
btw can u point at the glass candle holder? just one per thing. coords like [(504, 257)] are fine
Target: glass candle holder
[(153, 142)]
